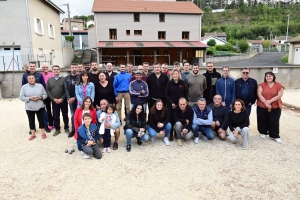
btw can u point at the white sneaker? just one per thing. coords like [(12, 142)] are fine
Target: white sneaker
[(104, 150), (278, 140), (196, 140), (84, 155), (204, 138), (166, 141), (152, 139), (263, 136)]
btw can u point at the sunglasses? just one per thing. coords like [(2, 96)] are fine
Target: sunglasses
[(245, 72)]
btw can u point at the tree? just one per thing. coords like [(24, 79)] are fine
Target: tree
[(244, 45), (266, 44), (211, 42)]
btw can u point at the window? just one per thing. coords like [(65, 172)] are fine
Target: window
[(136, 17), (161, 17), (51, 31), (185, 35), (6, 49), (187, 53), (112, 34), (161, 35), (38, 26), (137, 32), (127, 32), (75, 28), (41, 52), (166, 52)]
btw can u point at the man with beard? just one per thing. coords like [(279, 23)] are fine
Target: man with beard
[(93, 75), (87, 66), (80, 68), (110, 74), (195, 84), (211, 76)]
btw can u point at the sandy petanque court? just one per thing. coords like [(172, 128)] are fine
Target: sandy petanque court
[(40, 169)]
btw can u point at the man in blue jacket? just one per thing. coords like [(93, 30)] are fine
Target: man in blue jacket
[(225, 87), (138, 90), (121, 88), (246, 89)]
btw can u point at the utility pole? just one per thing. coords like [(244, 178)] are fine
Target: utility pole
[(287, 30), (69, 18)]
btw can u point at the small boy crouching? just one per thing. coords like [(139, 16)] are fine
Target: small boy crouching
[(88, 137)]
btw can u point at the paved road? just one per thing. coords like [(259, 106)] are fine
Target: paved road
[(261, 59)]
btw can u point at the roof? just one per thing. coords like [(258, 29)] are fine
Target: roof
[(275, 43), (150, 44), (213, 37), (294, 40), (54, 6), (221, 34), (73, 20), (255, 41), (130, 6), (283, 38), (74, 31)]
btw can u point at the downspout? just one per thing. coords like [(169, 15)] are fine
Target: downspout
[(29, 31)]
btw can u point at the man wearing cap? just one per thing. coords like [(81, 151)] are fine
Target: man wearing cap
[(138, 90), (144, 77)]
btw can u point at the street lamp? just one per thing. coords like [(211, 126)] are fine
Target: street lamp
[(287, 30), (69, 18)]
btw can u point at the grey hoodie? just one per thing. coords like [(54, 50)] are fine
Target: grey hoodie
[(28, 91)]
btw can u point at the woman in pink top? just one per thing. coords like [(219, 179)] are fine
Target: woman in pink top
[(269, 106), (46, 74)]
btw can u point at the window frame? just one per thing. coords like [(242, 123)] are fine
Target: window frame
[(185, 33), (164, 17), (161, 33), (138, 34), (128, 32), (111, 34), (134, 17)]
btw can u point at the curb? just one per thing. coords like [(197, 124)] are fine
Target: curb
[(291, 105)]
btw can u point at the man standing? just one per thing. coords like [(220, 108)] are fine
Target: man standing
[(164, 69), (195, 84), (130, 69), (186, 68), (115, 126), (80, 68), (211, 76), (220, 114), (246, 89), (225, 87), (144, 77), (93, 75), (146, 69), (87, 66), (202, 121), (156, 82), (183, 117), (138, 90), (69, 85), (121, 89), (56, 92), (110, 74)]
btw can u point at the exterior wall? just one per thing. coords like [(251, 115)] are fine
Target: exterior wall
[(92, 39), (77, 24), (292, 52), (47, 14), (89, 23), (149, 24)]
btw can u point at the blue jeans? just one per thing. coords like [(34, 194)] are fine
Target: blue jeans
[(129, 134), (248, 108), (144, 106), (204, 129), (153, 133), (73, 108)]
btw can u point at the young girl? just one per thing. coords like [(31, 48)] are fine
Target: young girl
[(88, 137), (107, 117)]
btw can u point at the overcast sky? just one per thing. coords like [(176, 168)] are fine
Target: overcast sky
[(77, 7)]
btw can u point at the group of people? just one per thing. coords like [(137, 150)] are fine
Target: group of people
[(181, 104)]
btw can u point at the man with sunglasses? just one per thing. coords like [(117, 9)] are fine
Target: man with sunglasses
[(246, 89)]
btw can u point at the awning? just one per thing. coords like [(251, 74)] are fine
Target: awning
[(193, 44)]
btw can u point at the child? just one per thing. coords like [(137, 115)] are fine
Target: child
[(107, 117), (88, 137)]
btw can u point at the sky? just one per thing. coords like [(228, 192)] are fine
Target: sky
[(77, 7)]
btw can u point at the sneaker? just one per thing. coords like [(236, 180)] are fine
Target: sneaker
[(263, 136), (179, 142), (152, 139), (116, 146), (84, 155), (128, 148), (108, 150), (50, 127), (278, 140), (71, 134), (166, 141), (67, 131), (204, 138), (196, 140), (104, 150), (56, 133), (47, 130), (139, 142)]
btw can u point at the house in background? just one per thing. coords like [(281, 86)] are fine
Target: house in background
[(80, 38), (34, 28), (147, 31), (294, 50), (218, 40), (222, 35), (90, 23), (257, 44), (282, 39), (76, 24)]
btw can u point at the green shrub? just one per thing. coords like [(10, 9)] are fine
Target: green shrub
[(225, 47), (69, 38), (211, 42), (244, 45), (211, 51)]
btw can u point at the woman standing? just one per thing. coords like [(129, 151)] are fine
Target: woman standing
[(135, 126), (238, 122), (104, 90), (33, 95), (159, 122), (86, 107), (84, 88), (175, 89), (269, 106)]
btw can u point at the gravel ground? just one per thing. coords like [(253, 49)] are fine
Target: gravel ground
[(40, 169)]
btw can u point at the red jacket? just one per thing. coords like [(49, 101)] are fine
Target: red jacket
[(78, 119)]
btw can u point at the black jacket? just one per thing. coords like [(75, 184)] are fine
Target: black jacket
[(252, 96), (111, 78), (157, 86), (133, 125), (180, 116), (153, 119), (68, 84), (175, 91), (220, 114), (211, 79)]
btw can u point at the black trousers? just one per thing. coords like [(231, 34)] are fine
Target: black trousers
[(47, 103), (63, 107), (106, 138), (268, 122), (40, 117)]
